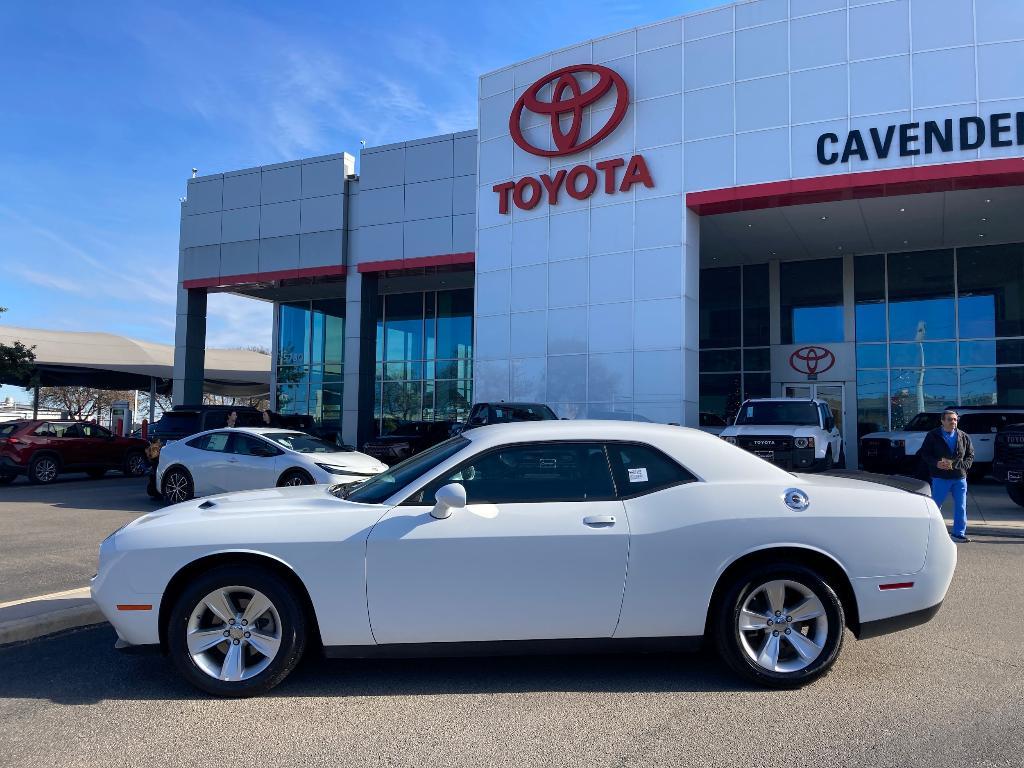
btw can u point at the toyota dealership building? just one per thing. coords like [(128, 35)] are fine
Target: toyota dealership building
[(802, 197)]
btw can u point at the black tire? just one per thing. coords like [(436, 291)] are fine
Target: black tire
[(828, 463), (841, 464), (178, 486), (7, 479), (728, 637), (95, 474), (1016, 493), (134, 464), (292, 629), (295, 477), (43, 469)]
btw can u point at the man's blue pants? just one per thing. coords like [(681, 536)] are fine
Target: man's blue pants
[(941, 488)]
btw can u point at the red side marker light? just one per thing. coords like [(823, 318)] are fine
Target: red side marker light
[(131, 607), (896, 585)]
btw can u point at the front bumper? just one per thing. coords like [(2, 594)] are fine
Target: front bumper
[(796, 459), (134, 616)]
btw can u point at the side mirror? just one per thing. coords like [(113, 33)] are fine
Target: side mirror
[(448, 498)]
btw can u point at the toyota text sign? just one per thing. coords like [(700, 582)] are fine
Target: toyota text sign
[(564, 113)]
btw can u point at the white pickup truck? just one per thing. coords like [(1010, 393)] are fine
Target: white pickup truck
[(794, 434)]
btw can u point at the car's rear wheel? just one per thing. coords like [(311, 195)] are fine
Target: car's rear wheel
[(295, 477), (237, 631), (134, 465), (178, 486), (1016, 493), (780, 626), (43, 469), (96, 474)]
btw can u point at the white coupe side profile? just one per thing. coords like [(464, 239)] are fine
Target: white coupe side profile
[(554, 535), (247, 458)]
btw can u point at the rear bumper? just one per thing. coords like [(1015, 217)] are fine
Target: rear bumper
[(878, 627), (8, 467)]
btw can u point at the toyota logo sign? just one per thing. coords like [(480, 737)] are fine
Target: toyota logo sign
[(569, 98), (812, 360)]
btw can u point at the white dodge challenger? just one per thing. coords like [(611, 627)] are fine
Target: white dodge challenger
[(559, 535)]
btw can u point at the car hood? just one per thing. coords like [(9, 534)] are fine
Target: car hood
[(753, 430), (245, 518)]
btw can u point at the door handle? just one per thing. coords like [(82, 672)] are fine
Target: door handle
[(599, 520)]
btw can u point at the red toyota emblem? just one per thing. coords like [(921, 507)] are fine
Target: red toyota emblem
[(564, 81), (812, 360)]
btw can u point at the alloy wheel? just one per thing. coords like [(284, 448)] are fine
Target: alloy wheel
[(136, 465), (234, 633), (782, 626), (46, 470), (176, 488)]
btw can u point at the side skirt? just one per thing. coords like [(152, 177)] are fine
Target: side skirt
[(516, 648)]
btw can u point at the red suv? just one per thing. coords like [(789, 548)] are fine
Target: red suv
[(44, 449)]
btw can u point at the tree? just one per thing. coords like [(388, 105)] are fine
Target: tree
[(17, 362), (83, 403)]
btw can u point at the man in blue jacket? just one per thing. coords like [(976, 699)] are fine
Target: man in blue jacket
[(948, 453)]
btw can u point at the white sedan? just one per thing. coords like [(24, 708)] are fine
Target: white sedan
[(246, 458), (517, 537)]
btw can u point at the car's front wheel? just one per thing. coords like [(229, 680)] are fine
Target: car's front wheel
[(134, 465), (295, 477), (178, 486), (237, 631), (780, 626)]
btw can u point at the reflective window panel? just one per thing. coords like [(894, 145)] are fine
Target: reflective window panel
[(811, 299)]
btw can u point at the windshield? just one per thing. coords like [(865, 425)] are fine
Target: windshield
[(924, 422), (303, 443), (377, 489), (506, 413), (797, 413)]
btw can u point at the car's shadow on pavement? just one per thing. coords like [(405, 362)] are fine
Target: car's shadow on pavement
[(81, 668)]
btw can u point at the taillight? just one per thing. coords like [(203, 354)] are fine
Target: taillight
[(15, 441)]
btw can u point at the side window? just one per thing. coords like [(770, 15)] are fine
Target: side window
[(641, 469), (94, 430), (215, 441), (247, 445), (478, 416), (70, 430), (49, 430), (530, 473)]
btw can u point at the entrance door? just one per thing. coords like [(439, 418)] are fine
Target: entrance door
[(834, 395)]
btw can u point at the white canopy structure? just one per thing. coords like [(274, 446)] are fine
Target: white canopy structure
[(106, 361)]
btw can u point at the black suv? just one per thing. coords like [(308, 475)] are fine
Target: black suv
[(1008, 461), (407, 439), (483, 414), (185, 420)]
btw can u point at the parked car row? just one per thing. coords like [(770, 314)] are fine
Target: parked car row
[(43, 450)]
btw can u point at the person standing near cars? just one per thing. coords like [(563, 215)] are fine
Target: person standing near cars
[(948, 453), (232, 419)]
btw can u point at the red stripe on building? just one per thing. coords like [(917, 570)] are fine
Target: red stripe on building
[(265, 277), (977, 174), (445, 259)]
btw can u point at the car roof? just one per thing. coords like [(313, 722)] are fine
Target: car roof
[(784, 400)]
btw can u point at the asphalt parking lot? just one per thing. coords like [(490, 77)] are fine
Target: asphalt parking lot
[(50, 534), (948, 693)]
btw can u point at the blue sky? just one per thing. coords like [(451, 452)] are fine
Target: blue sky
[(107, 107)]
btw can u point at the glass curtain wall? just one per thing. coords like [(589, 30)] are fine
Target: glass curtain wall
[(936, 328), (424, 357), (310, 359), (735, 362)]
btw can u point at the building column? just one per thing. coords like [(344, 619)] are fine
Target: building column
[(361, 305), (190, 347), (691, 319)]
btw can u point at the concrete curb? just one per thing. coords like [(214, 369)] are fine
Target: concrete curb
[(34, 617)]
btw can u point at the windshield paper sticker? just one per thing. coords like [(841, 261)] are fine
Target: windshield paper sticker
[(638, 475)]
